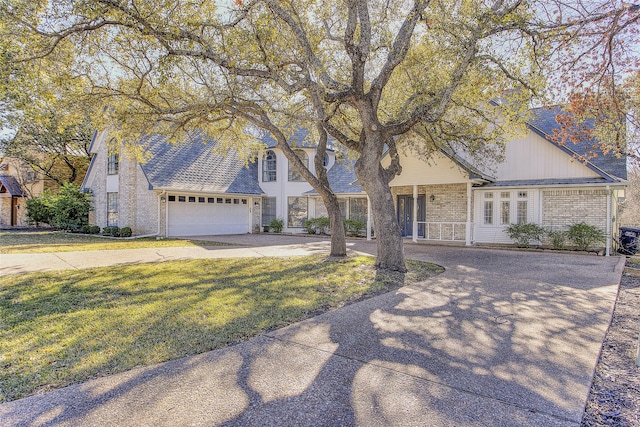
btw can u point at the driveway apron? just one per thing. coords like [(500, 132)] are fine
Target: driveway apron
[(501, 338)]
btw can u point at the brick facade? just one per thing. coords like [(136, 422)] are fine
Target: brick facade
[(562, 208), (449, 204)]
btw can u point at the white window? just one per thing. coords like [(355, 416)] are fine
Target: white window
[(488, 209), (269, 167), (522, 207), (522, 211), (113, 163), (112, 209), (268, 210), (294, 175), (297, 211), (505, 208)]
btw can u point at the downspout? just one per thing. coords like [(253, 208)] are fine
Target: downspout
[(468, 231), (608, 248), (163, 194)]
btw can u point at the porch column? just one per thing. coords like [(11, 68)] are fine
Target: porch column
[(368, 218), (468, 227), (415, 213), (608, 224)]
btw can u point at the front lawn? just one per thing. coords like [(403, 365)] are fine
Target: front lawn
[(51, 241), (66, 327)]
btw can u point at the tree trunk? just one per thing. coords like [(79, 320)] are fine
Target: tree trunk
[(388, 236), (338, 240)]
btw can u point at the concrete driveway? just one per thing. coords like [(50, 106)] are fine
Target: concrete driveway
[(502, 338)]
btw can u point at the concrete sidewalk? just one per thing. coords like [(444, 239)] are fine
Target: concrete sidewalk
[(502, 338)]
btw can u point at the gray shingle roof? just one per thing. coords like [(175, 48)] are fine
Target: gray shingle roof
[(193, 166), (342, 178), (10, 183), (300, 139), (544, 122), (544, 182)]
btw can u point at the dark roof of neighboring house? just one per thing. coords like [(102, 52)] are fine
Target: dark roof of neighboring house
[(10, 183), (342, 178), (300, 139), (194, 166), (609, 166)]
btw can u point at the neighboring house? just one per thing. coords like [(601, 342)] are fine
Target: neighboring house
[(189, 190), (17, 182)]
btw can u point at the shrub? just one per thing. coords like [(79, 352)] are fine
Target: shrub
[(318, 225), (525, 233), (276, 225), (125, 232), (557, 238), (354, 227), (585, 235), (113, 231), (94, 229), (39, 209), (66, 210)]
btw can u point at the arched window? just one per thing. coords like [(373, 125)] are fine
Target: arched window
[(269, 167), (294, 175)]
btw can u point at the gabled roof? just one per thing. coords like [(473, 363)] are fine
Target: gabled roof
[(608, 166), (10, 185), (342, 178), (193, 166), (300, 139)]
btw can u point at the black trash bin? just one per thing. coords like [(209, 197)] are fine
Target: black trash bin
[(629, 240)]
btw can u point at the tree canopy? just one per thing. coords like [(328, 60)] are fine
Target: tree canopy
[(378, 76)]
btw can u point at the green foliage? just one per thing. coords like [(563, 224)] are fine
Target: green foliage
[(524, 233), (584, 235), (354, 227), (40, 209), (557, 238), (66, 210), (112, 231), (318, 225), (276, 225), (125, 232)]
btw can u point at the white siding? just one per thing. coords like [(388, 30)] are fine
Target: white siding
[(416, 171), (495, 233), (533, 157)]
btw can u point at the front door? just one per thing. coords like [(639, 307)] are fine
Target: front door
[(405, 214)]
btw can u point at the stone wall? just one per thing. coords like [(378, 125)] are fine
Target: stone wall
[(449, 204)]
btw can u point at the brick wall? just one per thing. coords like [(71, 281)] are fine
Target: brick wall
[(562, 208), (449, 204)]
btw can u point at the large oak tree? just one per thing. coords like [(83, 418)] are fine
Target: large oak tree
[(378, 76)]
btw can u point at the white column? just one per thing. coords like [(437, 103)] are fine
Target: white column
[(468, 230), (368, 218), (415, 213), (608, 248)]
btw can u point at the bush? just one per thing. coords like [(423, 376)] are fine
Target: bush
[(354, 227), (584, 235), (113, 231), (125, 232), (39, 209), (318, 225), (94, 229), (66, 210), (276, 225), (525, 233), (557, 238)]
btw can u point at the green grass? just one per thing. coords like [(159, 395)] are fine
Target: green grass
[(50, 241), (61, 328)]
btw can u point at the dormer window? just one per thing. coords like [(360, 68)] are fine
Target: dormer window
[(294, 175), (269, 167)]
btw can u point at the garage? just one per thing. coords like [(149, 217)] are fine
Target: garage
[(205, 215)]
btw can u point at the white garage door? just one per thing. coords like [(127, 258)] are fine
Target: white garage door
[(196, 216)]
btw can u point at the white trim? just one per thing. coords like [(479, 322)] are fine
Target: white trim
[(608, 222), (469, 210)]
